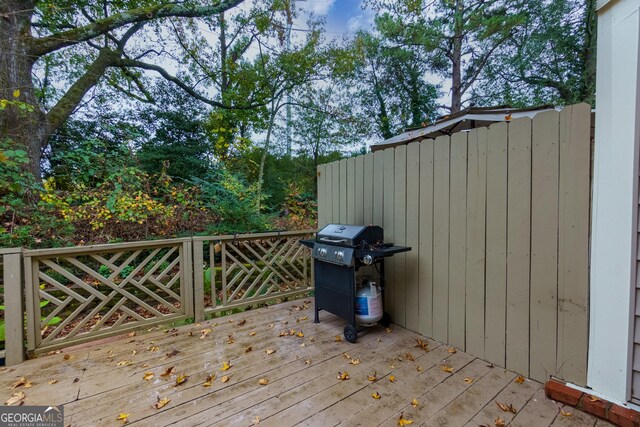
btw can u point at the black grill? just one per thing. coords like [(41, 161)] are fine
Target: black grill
[(338, 252)]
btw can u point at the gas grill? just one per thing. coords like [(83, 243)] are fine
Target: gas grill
[(338, 252)]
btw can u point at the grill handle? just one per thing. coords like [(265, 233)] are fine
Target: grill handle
[(330, 240)]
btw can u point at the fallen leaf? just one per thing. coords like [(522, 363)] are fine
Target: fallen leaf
[(181, 379), (373, 377), (134, 352), (162, 402), (226, 366), (376, 395), (303, 318), (124, 363), (53, 381), (300, 334), (147, 376), (283, 334), (271, 325), (415, 403), (422, 344), (490, 365), (241, 322), (168, 372), (346, 355), (252, 333), (132, 334), (594, 399), (144, 365), (123, 416), (16, 399), (153, 348), (566, 414), (468, 380), (402, 421), (256, 420), (419, 368), (224, 379), (248, 349), (446, 368), (172, 353), (355, 361), (506, 408), (307, 361), (16, 93), (410, 357), (392, 378), (452, 350), (269, 351), (388, 330), (500, 422), (67, 357), (520, 379), (342, 376), (230, 339), (263, 381), (22, 382), (337, 338)]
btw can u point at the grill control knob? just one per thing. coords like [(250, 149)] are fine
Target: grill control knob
[(322, 252), (339, 255), (367, 260)]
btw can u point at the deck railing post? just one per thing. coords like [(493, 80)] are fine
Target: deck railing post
[(13, 312), (198, 279)]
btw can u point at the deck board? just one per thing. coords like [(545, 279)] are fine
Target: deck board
[(94, 390)]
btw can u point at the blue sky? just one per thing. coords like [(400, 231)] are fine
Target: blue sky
[(342, 16)]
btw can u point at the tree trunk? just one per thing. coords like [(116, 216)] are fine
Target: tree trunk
[(456, 59), (25, 128), (265, 152), (588, 84)]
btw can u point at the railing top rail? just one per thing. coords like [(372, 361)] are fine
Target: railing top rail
[(105, 248), (248, 236), (6, 251)]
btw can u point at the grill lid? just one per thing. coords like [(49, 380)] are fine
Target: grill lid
[(350, 235)]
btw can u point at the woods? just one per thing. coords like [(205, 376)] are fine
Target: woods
[(126, 119)]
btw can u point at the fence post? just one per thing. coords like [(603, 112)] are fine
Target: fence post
[(13, 312), (198, 280)]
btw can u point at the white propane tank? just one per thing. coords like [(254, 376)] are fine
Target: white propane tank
[(369, 304)]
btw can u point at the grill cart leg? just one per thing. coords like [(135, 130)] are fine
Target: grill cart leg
[(317, 318), (350, 333)]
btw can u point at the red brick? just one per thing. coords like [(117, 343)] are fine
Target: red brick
[(560, 392), (624, 417), (597, 408)]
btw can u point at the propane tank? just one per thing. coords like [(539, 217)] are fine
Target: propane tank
[(368, 304)]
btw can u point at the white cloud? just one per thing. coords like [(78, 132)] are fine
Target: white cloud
[(318, 7), (355, 23)]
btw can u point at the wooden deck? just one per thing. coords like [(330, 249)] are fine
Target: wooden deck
[(97, 383)]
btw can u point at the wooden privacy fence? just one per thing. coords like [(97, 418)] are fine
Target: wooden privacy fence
[(498, 219), (79, 294)]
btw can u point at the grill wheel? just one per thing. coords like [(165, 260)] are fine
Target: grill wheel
[(350, 333)]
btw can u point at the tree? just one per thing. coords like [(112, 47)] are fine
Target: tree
[(99, 36), (459, 36), (549, 60)]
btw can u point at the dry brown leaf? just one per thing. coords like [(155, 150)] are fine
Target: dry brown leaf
[(256, 420), (452, 350), (53, 381), (22, 382), (252, 333), (241, 322), (419, 368), (209, 380), (283, 334), (373, 377), (337, 338), (124, 363), (181, 379), (520, 379), (226, 366), (263, 381), (402, 421), (168, 372), (468, 380), (224, 379), (355, 361), (132, 334), (422, 344), (388, 330), (500, 422), (147, 376), (342, 376), (392, 378), (376, 395), (594, 399), (300, 334), (346, 355), (271, 325), (566, 414), (67, 357), (172, 353), (303, 318), (506, 408), (248, 349), (446, 368), (230, 339), (409, 356), (144, 365), (16, 399), (162, 402), (269, 351), (307, 361), (134, 352)]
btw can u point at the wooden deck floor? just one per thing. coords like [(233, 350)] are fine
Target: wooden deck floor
[(97, 383)]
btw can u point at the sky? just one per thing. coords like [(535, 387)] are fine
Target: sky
[(342, 16)]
